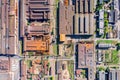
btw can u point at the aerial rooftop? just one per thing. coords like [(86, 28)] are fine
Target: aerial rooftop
[(9, 68), (35, 45), (37, 10), (86, 58), (66, 18), (85, 54), (76, 19), (36, 28)]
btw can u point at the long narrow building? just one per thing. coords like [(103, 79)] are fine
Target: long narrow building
[(9, 27), (66, 18)]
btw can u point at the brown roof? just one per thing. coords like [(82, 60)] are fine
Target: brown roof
[(12, 7), (37, 37), (38, 29), (73, 18), (85, 54), (65, 19), (11, 45), (46, 67), (12, 25), (38, 9), (4, 64), (23, 70), (35, 45), (86, 57)]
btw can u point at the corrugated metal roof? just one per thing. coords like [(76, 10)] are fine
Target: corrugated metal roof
[(86, 25)]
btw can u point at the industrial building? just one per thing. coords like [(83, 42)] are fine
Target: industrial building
[(84, 6), (36, 37), (33, 10), (85, 54), (37, 10), (9, 68), (76, 19), (36, 45), (9, 27), (84, 18), (83, 24), (35, 30), (86, 58), (66, 12)]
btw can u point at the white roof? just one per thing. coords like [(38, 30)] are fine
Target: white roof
[(101, 19), (101, 14), (101, 32)]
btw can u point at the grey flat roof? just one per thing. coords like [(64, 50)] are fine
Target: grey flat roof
[(81, 24), (86, 24), (101, 75), (5, 76), (101, 14)]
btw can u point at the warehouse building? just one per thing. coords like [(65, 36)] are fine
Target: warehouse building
[(37, 10), (66, 12), (76, 19), (36, 30)]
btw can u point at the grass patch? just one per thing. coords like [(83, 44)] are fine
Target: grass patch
[(56, 6), (30, 53), (29, 63), (52, 33), (56, 3), (107, 41), (105, 15), (83, 73), (98, 7), (29, 79), (101, 68), (115, 58), (51, 78), (118, 44), (107, 58), (112, 57), (55, 49), (115, 67), (106, 30), (69, 49), (71, 69), (106, 23)]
